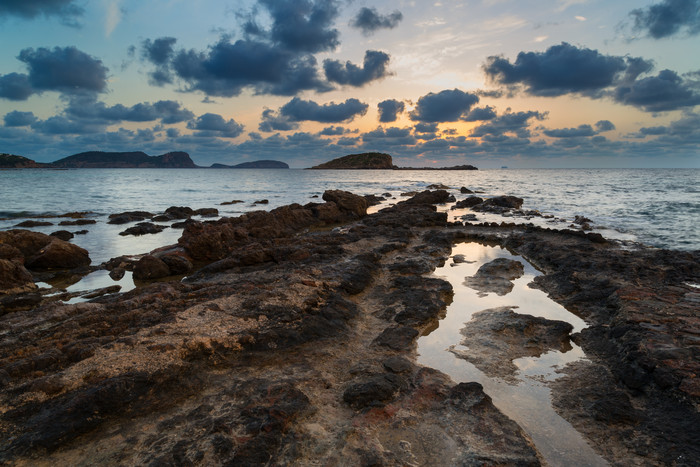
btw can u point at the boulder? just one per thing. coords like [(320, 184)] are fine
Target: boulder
[(177, 264), (14, 278), (465, 191), (58, 254), (468, 202), (207, 212), (149, 267), (63, 235), (430, 197), (31, 223), (347, 201), (144, 228), (509, 202), (179, 212), (128, 216), (78, 222)]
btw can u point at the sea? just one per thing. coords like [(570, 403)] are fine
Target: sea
[(654, 207)]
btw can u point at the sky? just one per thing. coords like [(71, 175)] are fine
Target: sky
[(492, 83)]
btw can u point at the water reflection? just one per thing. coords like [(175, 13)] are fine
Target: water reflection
[(525, 398)]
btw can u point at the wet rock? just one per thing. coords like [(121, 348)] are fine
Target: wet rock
[(227, 203), (149, 267), (31, 223), (81, 232), (79, 222), (117, 273), (430, 197), (437, 186), (179, 212), (397, 337), (206, 212), (499, 204), (373, 200), (496, 337), (63, 235), (14, 278), (11, 253), (144, 228), (177, 264), (347, 202), (19, 301), (58, 254), (374, 391), (101, 292), (129, 216), (495, 277), (397, 365), (468, 202), (261, 201), (465, 190)]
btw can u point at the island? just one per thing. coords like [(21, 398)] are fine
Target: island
[(10, 161), (367, 160), (263, 164), (123, 160)]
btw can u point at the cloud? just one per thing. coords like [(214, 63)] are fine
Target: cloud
[(303, 25), (389, 110), (392, 136), (211, 124), (159, 52), (373, 68), (66, 70), (653, 131), (562, 69), (445, 106), (511, 122), (668, 18), (272, 121), (298, 110), (61, 125), (167, 111), (114, 16), (481, 113), (369, 20), (666, 91), (66, 10), (334, 131), (580, 131), (15, 87), (425, 131), (17, 118), (227, 68), (604, 125)]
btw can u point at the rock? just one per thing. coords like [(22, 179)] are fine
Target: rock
[(179, 212), (495, 276), (41, 251), (261, 201), (14, 278), (19, 300), (81, 232), (31, 223), (468, 202), (78, 222), (129, 216), (375, 391), (437, 186), (397, 364), (497, 336), (373, 200), (347, 202), (397, 337), (63, 235), (235, 201), (580, 220), (430, 197), (177, 264), (144, 228), (207, 212), (465, 191), (117, 273), (11, 253), (499, 204), (149, 268)]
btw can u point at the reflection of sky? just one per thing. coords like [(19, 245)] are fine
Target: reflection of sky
[(528, 402)]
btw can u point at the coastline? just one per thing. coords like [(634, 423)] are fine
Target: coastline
[(309, 337)]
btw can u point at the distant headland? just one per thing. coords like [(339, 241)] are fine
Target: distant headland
[(265, 164), (376, 160)]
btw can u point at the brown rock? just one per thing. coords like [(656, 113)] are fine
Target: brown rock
[(58, 254), (347, 201), (14, 277), (150, 267)]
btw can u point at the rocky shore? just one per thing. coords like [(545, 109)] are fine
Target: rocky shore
[(292, 341)]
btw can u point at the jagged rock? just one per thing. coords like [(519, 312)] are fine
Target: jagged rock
[(129, 216), (468, 202), (374, 391), (177, 264), (14, 277), (63, 235), (206, 212), (79, 222), (149, 267), (179, 212), (144, 228), (31, 223), (347, 201), (430, 197), (465, 191)]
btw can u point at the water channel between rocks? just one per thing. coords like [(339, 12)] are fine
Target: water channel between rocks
[(519, 391)]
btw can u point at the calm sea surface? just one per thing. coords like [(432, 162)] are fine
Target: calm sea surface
[(657, 207)]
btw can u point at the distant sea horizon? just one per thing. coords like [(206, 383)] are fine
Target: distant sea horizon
[(656, 207)]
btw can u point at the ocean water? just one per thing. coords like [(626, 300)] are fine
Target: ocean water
[(656, 207)]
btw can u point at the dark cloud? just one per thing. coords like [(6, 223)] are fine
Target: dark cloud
[(392, 136), (426, 128), (15, 87), (303, 25), (653, 131), (334, 131), (67, 10), (562, 69), (373, 68), (298, 110), (61, 125), (604, 125), (389, 110), (480, 114), (227, 68), (445, 106), (17, 118), (66, 70), (272, 121), (580, 131), (215, 125), (346, 141), (668, 18), (85, 107), (511, 122), (369, 20), (666, 91), (159, 52), (172, 132)]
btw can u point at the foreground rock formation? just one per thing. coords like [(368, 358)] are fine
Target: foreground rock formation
[(292, 342)]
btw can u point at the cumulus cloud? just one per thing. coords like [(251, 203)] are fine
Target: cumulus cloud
[(66, 10), (666, 91), (445, 106), (272, 121), (580, 131), (480, 114), (303, 25), (369, 20), (15, 87), (373, 68), (334, 131), (61, 125), (17, 118), (392, 136), (86, 107), (213, 125), (298, 110), (159, 52), (389, 110), (604, 125), (668, 18), (509, 123), (561, 69)]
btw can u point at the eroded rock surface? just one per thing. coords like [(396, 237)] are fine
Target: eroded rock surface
[(495, 277)]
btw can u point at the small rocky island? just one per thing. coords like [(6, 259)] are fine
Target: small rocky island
[(263, 164), (123, 160), (10, 161), (366, 160)]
